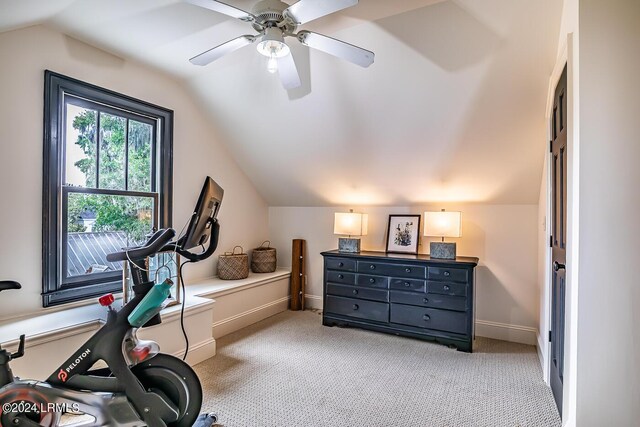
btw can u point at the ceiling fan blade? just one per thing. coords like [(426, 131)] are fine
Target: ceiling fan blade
[(219, 51), (349, 52), (308, 10), (221, 7), (288, 72)]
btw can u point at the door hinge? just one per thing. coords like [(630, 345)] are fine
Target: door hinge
[(550, 241), (550, 336), (551, 146)]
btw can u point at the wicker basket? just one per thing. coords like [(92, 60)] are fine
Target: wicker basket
[(263, 259), (233, 266)]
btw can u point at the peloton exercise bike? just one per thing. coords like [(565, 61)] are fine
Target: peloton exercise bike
[(140, 386)]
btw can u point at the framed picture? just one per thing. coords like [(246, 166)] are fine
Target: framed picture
[(403, 233)]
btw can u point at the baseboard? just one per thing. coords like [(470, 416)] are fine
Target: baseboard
[(507, 332), (313, 301), (199, 352), (539, 349), (249, 317), (543, 355)]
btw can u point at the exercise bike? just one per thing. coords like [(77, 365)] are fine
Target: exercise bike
[(140, 386)]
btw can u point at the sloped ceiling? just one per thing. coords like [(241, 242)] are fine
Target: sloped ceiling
[(452, 110)]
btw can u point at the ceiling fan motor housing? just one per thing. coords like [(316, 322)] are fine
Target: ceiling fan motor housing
[(269, 13)]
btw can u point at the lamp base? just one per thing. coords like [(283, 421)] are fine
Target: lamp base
[(441, 250), (348, 245)]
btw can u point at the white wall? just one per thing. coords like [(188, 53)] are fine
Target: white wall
[(198, 151), (609, 296), (502, 236)]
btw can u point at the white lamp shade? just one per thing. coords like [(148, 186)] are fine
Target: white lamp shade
[(350, 224), (443, 224)]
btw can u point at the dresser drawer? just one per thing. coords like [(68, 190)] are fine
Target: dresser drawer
[(340, 277), (429, 318), (344, 264), (447, 288), (445, 302), (372, 281), (356, 292), (407, 284), (449, 274), (411, 271), (361, 309)]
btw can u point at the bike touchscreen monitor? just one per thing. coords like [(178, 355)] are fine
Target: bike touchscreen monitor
[(199, 229)]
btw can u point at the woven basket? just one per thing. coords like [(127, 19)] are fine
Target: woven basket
[(233, 266), (263, 259)]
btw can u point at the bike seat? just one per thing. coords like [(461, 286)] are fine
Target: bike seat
[(9, 284)]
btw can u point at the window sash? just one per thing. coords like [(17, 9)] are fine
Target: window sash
[(96, 278), (128, 115)]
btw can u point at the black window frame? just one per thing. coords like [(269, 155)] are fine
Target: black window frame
[(56, 88)]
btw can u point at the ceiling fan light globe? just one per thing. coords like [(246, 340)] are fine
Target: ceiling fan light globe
[(273, 44), (273, 48)]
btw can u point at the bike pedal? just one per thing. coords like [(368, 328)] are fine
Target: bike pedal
[(206, 420)]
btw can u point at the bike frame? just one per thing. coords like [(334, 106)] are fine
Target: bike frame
[(115, 395), (75, 372), (73, 382)]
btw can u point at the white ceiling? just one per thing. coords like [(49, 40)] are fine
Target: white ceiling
[(452, 110)]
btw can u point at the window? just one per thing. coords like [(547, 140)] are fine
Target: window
[(107, 184)]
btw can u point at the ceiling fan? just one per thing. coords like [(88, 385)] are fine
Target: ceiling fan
[(275, 20)]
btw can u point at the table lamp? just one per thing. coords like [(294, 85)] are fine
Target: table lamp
[(442, 224), (350, 224)]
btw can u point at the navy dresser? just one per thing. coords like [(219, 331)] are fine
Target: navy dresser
[(408, 295)]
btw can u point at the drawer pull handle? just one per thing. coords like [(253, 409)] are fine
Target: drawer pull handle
[(372, 280), (355, 306), (446, 287), (340, 276), (407, 270), (426, 300), (372, 267), (426, 317), (407, 284), (447, 274), (355, 292)]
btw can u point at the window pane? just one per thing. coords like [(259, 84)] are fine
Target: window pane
[(99, 224), (112, 148), (140, 137), (80, 147)]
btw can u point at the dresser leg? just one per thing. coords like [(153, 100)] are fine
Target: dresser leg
[(466, 347)]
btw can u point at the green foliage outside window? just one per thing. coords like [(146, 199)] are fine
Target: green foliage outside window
[(131, 214)]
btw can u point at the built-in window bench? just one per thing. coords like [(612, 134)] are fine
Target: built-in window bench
[(225, 305), (240, 303)]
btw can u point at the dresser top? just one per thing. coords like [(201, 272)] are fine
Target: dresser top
[(402, 257)]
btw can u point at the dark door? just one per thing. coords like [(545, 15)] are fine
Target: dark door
[(558, 235)]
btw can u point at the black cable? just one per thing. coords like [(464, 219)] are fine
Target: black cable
[(184, 302)]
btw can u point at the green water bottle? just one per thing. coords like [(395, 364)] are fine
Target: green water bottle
[(151, 304)]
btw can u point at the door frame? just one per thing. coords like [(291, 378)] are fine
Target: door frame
[(569, 57)]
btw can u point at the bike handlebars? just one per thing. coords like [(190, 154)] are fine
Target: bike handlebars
[(159, 239), (9, 284)]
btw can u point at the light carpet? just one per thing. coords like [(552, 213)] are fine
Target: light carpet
[(289, 370)]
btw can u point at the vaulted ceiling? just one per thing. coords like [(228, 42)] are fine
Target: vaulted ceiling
[(452, 110)]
